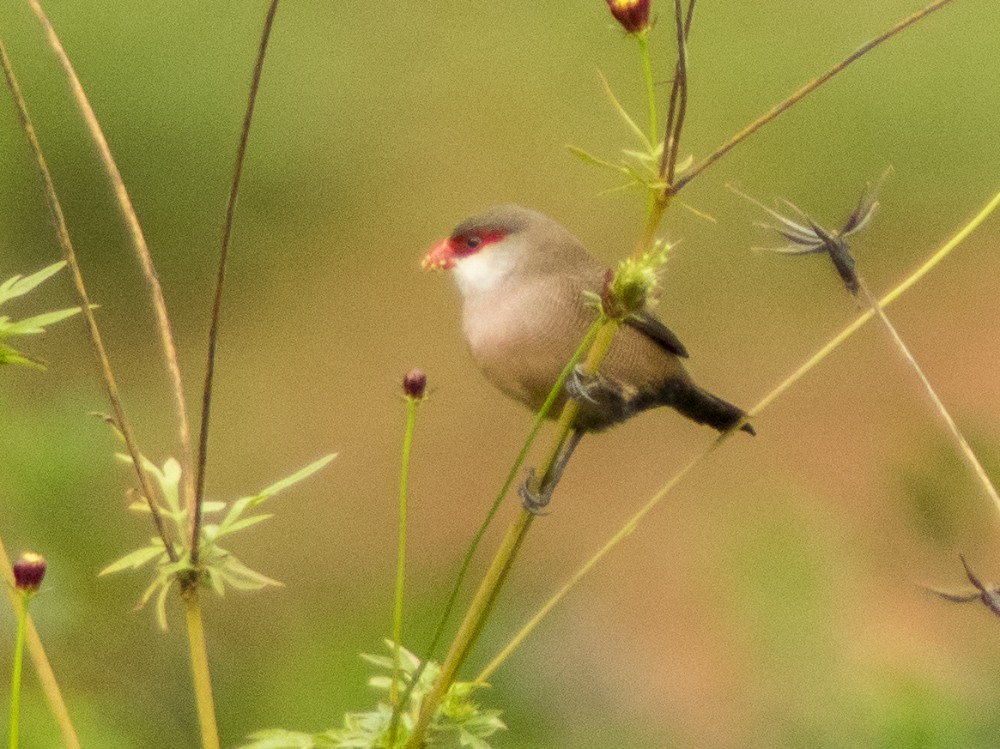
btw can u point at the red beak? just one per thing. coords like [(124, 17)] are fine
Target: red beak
[(439, 257)]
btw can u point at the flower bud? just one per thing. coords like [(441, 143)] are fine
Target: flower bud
[(633, 15), (414, 384), (29, 569)]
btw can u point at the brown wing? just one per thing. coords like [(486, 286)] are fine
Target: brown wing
[(652, 328)]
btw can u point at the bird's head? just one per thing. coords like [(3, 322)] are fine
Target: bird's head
[(484, 249)]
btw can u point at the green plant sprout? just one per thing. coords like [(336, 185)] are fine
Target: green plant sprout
[(216, 567), (457, 717), (18, 286)]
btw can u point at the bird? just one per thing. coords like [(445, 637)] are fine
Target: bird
[(524, 281)]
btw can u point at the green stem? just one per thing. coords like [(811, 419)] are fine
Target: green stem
[(477, 538), (482, 603), (15, 677), (199, 668), (647, 71), (43, 669), (397, 613)]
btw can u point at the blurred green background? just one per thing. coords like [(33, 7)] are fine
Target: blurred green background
[(773, 601)]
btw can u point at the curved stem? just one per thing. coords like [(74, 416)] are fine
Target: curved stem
[(87, 309), (213, 334)]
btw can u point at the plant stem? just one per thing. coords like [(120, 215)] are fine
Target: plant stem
[(766, 401), (397, 612), (964, 448), (678, 98), (43, 668), (69, 254), (647, 71), (515, 468), (15, 676), (482, 603), (213, 334), (471, 625), (199, 668), (776, 110), (141, 251)]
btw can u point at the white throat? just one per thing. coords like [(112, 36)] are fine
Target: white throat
[(484, 270)]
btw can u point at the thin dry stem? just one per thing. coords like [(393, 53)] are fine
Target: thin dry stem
[(964, 448), (220, 281), (678, 97), (141, 251), (802, 93), (62, 233), (773, 395)]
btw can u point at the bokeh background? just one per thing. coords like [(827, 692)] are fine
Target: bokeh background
[(774, 600)]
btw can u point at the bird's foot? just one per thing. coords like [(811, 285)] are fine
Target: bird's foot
[(583, 386), (534, 497)]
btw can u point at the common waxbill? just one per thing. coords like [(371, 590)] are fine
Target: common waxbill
[(522, 277)]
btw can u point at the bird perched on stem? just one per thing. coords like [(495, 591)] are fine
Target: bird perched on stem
[(524, 281)]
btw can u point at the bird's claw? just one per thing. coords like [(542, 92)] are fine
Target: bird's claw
[(582, 386), (534, 498)]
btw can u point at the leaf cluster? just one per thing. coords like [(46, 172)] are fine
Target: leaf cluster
[(457, 719), (217, 567)]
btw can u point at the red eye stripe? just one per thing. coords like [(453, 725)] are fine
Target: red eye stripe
[(471, 242)]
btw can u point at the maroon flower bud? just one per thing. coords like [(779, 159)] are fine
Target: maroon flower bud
[(414, 384), (633, 15), (29, 569)]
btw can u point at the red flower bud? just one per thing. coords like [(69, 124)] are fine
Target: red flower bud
[(29, 569), (633, 15), (414, 384)]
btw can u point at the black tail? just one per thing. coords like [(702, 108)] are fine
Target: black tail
[(703, 407)]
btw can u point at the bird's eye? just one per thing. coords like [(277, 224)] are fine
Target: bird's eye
[(472, 242)]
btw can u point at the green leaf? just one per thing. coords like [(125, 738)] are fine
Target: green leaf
[(296, 477), (136, 559), (589, 158), (278, 738), (623, 114), (18, 286), (244, 523), (36, 324), (244, 503), (10, 356), (161, 606), (241, 577)]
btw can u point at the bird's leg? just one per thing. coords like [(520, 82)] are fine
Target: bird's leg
[(536, 493)]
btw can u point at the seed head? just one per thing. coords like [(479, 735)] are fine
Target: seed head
[(633, 15), (415, 384), (29, 569)]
